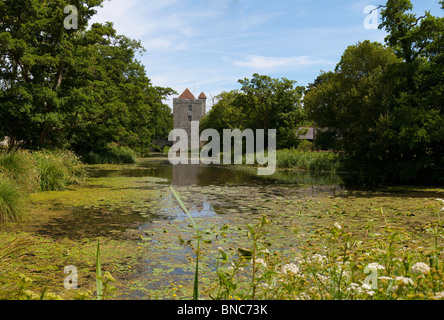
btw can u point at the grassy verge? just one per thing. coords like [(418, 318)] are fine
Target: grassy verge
[(305, 160), (23, 172)]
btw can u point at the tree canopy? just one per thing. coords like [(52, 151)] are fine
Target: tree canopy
[(81, 88), (383, 105), (261, 103)]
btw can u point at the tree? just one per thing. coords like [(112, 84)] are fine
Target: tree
[(261, 103), (350, 100), (383, 106), (416, 126), (80, 88)]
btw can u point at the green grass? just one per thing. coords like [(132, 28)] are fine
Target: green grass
[(21, 167), (13, 200), (58, 169), (312, 161), (23, 172)]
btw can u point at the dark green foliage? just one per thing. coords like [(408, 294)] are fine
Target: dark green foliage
[(384, 106), (112, 154), (262, 103), (79, 88)]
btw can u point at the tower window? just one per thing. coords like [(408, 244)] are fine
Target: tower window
[(190, 107), (190, 118)]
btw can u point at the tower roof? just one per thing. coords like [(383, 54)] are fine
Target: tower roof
[(202, 96), (187, 95)]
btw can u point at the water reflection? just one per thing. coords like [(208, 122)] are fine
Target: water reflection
[(201, 175)]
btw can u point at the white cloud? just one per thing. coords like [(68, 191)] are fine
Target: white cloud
[(261, 62)]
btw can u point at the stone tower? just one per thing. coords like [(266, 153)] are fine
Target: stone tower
[(187, 108)]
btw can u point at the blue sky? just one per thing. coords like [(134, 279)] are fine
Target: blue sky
[(207, 45)]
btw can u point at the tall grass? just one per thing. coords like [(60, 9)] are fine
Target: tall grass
[(21, 167), (58, 169), (12, 200), (23, 172), (312, 161)]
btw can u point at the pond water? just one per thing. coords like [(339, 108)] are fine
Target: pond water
[(134, 202)]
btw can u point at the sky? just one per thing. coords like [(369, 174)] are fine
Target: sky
[(208, 45)]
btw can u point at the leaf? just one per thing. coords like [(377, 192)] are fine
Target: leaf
[(245, 252), (99, 283), (196, 272)]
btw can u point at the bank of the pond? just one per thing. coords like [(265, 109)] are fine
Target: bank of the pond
[(23, 172)]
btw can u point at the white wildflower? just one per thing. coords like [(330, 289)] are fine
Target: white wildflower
[(370, 292), (354, 288), (261, 261), (303, 296), (318, 258), (375, 266), (290, 268), (420, 267), (404, 280), (439, 295), (366, 286), (337, 226)]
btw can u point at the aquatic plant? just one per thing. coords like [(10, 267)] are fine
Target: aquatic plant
[(103, 280), (196, 271)]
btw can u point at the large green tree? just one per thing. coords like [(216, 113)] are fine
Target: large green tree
[(80, 87), (262, 102), (383, 106), (349, 102)]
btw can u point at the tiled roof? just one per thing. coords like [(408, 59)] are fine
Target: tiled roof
[(202, 96), (187, 95)]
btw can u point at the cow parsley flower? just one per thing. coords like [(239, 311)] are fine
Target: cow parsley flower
[(290, 268), (261, 261), (439, 295), (404, 280), (375, 266), (420, 267), (318, 258)]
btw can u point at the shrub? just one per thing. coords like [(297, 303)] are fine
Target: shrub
[(305, 146), (113, 154)]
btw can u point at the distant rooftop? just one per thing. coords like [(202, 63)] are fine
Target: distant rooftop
[(187, 95), (202, 96)]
